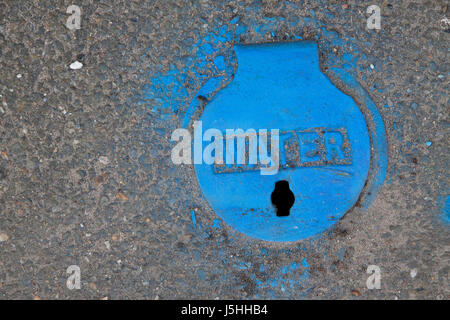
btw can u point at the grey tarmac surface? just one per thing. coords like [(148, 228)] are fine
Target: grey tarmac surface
[(86, 177)]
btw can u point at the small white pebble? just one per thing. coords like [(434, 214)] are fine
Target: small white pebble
[(372, 66), (19, 76), (76, 65), (413, 273), (103, 160), (107, 245)]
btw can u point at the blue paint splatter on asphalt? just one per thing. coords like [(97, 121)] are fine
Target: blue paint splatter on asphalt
[(193, 218), (292, 276), (305, 265), (444, 204)]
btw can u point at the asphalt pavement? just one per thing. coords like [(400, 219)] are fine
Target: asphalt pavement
[(86, 177)]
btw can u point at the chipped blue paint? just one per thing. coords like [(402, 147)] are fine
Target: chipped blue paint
[(305, 265), (216, 224), (193, 218), (289, 269), (341, 253), (243, 265), (292, 276), (446, 211), (444, 204), (201, 274), (262, 268)]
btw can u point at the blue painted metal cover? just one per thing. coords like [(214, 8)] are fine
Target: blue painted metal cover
[(325, 144)]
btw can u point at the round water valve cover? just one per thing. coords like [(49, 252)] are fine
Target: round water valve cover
[(324, 144)]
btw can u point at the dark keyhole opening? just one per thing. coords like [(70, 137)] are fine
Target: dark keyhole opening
[(282, 198)]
